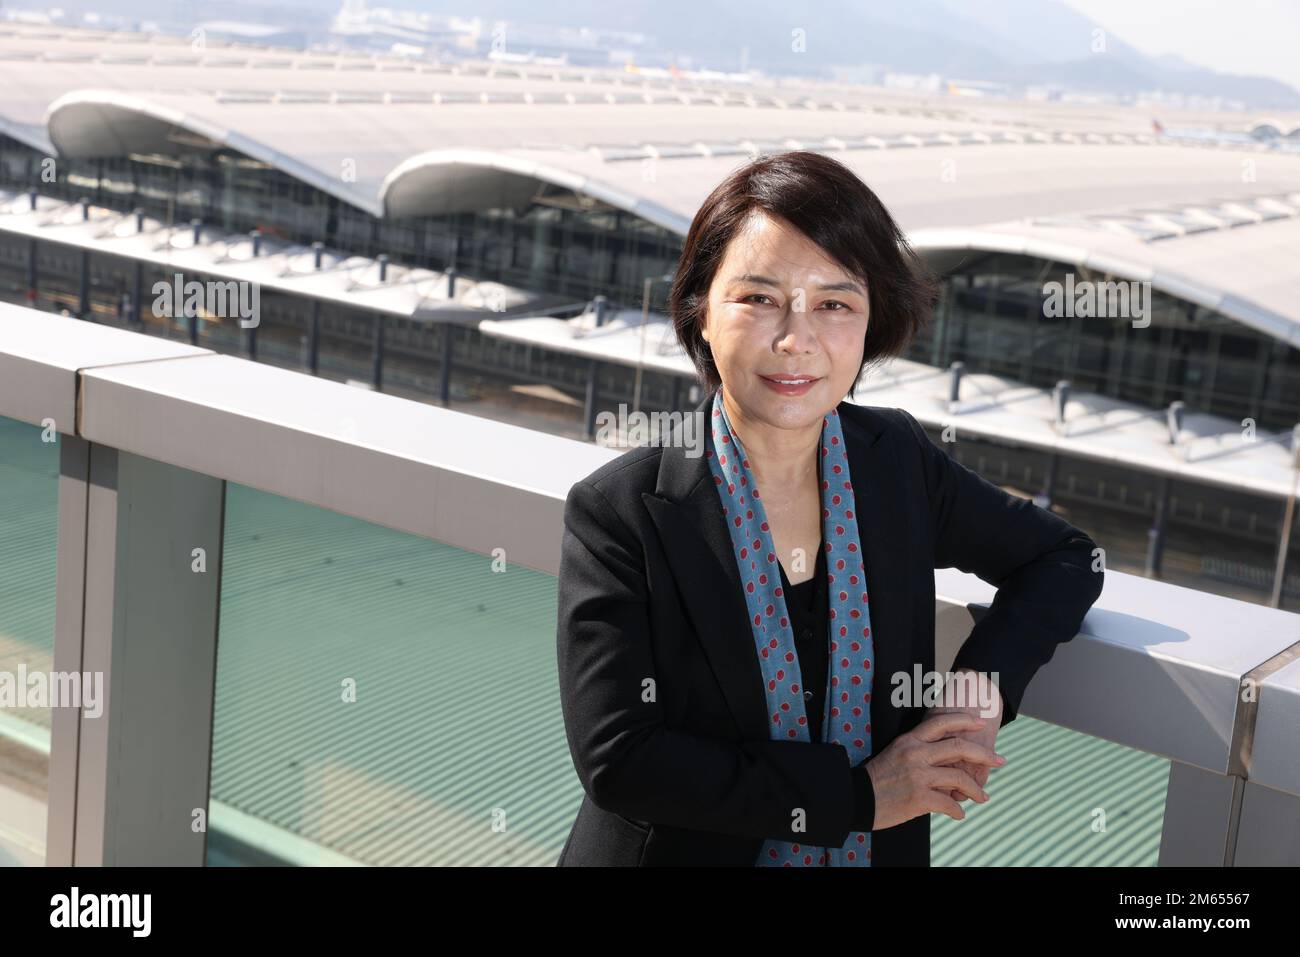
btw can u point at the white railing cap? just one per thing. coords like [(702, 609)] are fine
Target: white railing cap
[(41, 354)]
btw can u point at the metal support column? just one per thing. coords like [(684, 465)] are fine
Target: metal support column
[(32, 277), (1049, 481), (1288, 522), (377, 355), (444, 368), (1200, 819), (83, 292), (139, 582), (133, 316), (313, 340), (589, 407), (1156, 533)]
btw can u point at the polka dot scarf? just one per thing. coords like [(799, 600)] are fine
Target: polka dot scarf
[(847, 720)]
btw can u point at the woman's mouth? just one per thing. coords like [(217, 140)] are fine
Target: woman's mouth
[(790, 384)]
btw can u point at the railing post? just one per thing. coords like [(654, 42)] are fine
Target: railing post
[(1227, 819), (1201, 811), (1266, 834), (139, 570)]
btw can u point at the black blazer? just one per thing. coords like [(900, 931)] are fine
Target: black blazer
[(660, 685)]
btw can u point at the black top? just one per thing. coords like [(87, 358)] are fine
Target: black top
[(807, 603), (809, 606)]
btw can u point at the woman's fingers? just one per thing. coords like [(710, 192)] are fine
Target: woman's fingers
[(954, 779), (935, 726), (942, 803), (978, 772), (954, 750)]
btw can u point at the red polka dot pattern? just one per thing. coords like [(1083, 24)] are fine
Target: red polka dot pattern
[(849, 621)]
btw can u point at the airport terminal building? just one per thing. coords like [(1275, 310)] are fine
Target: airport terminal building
[(403, 232)]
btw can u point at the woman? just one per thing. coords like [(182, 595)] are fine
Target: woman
[(691, 614)]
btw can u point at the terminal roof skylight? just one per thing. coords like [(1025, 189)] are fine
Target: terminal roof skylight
[(1151, 223)]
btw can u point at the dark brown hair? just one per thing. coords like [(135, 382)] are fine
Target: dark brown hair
[(833, 207)]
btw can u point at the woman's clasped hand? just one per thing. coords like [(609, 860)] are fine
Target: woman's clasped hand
[(914, 775)]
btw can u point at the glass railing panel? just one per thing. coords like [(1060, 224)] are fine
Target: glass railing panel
[(1062, 799), (381, 698), (29, 523)]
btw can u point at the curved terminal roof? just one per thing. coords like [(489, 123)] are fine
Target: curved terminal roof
[(397, 138), (99, 123), (1236, 257), (1269, 128), (938, 184)]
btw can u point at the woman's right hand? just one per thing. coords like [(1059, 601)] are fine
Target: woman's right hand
[(912, 776)]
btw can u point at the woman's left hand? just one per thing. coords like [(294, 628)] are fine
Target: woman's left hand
[(990, 716)]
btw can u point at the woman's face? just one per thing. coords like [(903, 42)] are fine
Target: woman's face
[(781, 308)]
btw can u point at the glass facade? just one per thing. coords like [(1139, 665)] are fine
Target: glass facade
[(991, 317), (560, 244), (485, 370), (1218, 540)]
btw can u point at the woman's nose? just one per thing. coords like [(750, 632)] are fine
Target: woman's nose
[(797, 333)]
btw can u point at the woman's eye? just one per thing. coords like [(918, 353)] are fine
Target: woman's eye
[(754, 295), (836, 302)]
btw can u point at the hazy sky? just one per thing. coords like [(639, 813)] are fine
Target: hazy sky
[(1260, 37)]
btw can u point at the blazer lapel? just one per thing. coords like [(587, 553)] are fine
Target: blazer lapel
[(688, 515), (883, 510)]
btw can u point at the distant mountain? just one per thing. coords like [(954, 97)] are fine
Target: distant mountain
[(1030, 42), (1018, 42), (1029, 32)]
